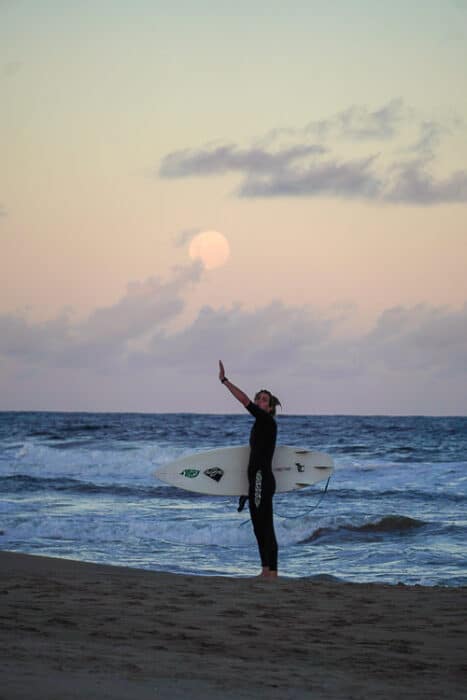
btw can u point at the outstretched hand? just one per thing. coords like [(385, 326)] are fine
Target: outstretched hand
[(238, 393), (221, 371)]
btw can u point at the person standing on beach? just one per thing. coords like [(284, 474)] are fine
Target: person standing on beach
[(262, 484)]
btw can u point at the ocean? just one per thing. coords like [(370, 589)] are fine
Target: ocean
[(82, 486)]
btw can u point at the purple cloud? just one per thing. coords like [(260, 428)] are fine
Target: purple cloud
[(413, 359), (304, 162)]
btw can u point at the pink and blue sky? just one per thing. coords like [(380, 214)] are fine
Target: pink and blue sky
[(327, 141)]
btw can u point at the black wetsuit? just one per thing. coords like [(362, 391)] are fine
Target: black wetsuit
[(262, 484)]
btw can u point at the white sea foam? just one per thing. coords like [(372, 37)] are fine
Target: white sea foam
[(112, 465)]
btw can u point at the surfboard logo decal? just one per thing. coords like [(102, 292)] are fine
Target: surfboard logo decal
[(300, 467), (215, 473), (190, 473)]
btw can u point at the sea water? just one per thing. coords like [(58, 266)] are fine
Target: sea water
[(82, 486)]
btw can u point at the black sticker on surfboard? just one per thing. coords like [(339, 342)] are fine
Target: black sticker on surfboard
[(215, 473), (300, 467)]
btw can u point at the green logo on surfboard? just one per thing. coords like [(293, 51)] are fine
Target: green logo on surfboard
[(190, 473)]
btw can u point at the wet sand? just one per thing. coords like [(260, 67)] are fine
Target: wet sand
[(73, 630)]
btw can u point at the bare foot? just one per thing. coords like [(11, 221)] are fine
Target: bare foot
[(267, 573)]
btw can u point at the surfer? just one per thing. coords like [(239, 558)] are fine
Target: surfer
[(262, 484)]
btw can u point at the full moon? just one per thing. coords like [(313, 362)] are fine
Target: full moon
[(211, 247)]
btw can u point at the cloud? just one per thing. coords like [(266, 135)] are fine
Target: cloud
[(429, 139), (105, 338), (414, 185), (396, 159), (422, 338), (358, 123), (355, 124), (184, 236), (128, 357), (219, 160), (259, 339), (32, 342), (354, 178)]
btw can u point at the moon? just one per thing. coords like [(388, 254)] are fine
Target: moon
[(211, 247)]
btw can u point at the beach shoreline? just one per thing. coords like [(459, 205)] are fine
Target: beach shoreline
[(79, 630)]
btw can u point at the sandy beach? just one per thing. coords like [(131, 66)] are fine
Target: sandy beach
[(78, 630)]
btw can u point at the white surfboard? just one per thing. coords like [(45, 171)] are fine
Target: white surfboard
[(223, 472)]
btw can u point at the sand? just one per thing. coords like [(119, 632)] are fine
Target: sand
[(75, 630)]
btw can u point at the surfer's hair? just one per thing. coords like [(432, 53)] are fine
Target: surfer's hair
[(273, 400)]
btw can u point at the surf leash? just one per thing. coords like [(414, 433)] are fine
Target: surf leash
[(304, 513), (309, 510)]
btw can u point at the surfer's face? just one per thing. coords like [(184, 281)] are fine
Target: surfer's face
[(263, 401)]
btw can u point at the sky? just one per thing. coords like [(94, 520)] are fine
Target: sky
[(326, 141)]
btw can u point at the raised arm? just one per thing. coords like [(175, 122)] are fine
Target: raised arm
[(234, 390)]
